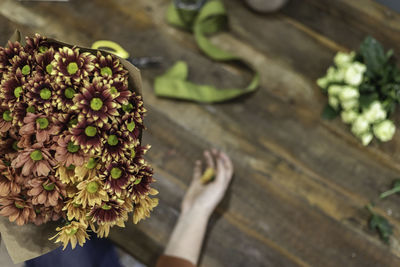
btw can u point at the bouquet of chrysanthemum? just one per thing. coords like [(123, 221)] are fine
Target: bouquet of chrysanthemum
[(70, 128), (364, 88)]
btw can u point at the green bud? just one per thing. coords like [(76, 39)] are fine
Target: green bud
[(49, 187), (137, 181), (90, 131), (36, 155), (17, 91), (43, 49), (30, 109), (106, 71), (15, 146), (71, 167), (7, 115), (112, 140), (116, 173), (91, 163), (45, 93), (71, 147), (113, 90), (69, 93), (49, 68), (127, 108), (72, 68), (106, 207), (96, 103), (43, 123), (18, 206), (92, 187), (26, 70), (131, 126)]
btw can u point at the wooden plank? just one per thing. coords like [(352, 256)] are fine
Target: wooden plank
[(294, 201)]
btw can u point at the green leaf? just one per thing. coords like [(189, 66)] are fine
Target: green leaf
[(366, 99), (329, 113), (382, 226), (373, 56), (395, 189)]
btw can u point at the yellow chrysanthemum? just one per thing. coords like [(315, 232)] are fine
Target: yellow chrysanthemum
[(103, 230), (143, 206), (75, 211), (91, 192), (72, 233)]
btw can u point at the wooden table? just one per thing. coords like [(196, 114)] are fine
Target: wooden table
[(301, 183)]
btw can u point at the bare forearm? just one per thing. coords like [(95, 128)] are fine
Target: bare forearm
[(187, 237)]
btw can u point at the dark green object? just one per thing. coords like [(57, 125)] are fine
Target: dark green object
[(380, 224), (210, 19), (329, 113)]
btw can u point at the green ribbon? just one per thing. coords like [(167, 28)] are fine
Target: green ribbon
[(210, 19)]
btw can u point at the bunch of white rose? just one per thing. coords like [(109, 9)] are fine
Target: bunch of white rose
[(342, 83)]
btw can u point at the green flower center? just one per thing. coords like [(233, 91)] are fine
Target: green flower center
[(127, 108), (19, 205), (72, 231), (69, 93), (26, 70), (71, 147), (90, 131), (137, 181), (133, 153), (71, 167), (91, 163), (17, 91), (106, 207), (49, 68), (113, 90), (7, 115), (106, 71), (31, 109), (96, 103), (49, 187), (36, 155), (116, 173), (45, 93), (43, 49), (43, 123), (37, 211), (112, 140), (92, 187), (131, 126), (15, 146), (72, 68)]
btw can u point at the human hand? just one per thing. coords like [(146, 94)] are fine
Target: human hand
[(204, 198)]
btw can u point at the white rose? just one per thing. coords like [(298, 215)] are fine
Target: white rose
[(366, 138), (355, 73), (334, 90), (333, 102), (343, 59), (335, 75), (375, 112), (323, 82), (349, 116), (384, 130), (360, 126), (348, 93), (349, 104)]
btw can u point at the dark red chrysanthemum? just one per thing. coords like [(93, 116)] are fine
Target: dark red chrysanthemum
[(109, 67), (119, 91), (87, 135), (41, 94), (141, 186), (117, 176), (6, 118), (37, 44), (12, 89), (108, 212), (115, 144), (23, 62), (43, 62), (72, 66), (7, 53), (95, 102)]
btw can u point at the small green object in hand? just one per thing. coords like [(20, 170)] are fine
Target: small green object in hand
[(210, 19), (394, 190)]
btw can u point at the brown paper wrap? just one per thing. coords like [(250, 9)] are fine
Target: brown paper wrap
[(30, 241)]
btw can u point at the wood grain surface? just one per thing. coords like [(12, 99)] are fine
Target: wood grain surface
[(301, 183)]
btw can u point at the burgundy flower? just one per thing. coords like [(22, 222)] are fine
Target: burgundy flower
[(87, 135), (36, 44), (108, 212), (40, 93), (71, 65), (43, 61), (7, 53), (141, 186), (117, 176), (116, 144), (23, 62), (65, 96), (119, 91), (5, 119), (109, 67), (12, 89), (95, 102), (35, 160)]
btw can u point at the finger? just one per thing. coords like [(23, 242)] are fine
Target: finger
[(197, 170), (228, 163), (221, 170), (209, 159)]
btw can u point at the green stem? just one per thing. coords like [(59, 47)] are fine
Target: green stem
[(369, 208), (390, 192)]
